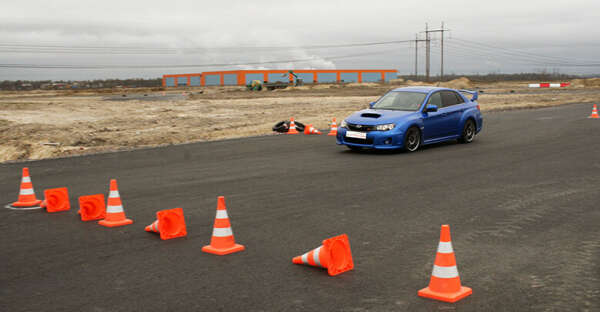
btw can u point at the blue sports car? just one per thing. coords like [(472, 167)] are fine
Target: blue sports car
[(410, 117)]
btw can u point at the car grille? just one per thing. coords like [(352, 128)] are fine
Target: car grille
[(361, 128), (368, 141)]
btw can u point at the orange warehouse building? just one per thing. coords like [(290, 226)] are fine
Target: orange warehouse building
[(243, 77)]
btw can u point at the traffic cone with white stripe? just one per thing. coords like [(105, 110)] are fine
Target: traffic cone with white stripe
[(309, 129), (314, 130), (292, 127), (153, 227), (445, 282), (222, 241), (334, 255), (333, 131), (27, 197), (115, 215), (169, 224), (594, 114)]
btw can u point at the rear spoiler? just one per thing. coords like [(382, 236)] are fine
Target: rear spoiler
[(475, 94)]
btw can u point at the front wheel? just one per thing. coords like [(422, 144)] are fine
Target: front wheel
[(412, 140), (468, 134)]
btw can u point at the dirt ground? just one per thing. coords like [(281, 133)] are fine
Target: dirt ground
[(43, 124)]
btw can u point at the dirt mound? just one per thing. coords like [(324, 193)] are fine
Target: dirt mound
[(416, 83), (589, 82), (293, 88), (397, 81), (325, 86), (459, 83), (362, 84)]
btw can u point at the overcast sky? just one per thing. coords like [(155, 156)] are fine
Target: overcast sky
[(486, 36)]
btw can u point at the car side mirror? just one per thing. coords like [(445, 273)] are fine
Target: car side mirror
[(475, 96), (371, 104), (431, 108)]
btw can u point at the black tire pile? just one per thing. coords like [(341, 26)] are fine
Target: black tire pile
[(284, 126)]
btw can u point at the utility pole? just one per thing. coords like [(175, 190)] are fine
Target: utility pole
[(442, 55), (441, 30), (416, 54), (427, 52), (417, 40)]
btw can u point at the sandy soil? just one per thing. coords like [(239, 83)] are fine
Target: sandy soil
[(42, 124)]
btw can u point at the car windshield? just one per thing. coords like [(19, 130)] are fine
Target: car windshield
[(405, 101)]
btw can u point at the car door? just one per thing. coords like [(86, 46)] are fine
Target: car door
[(433, 122), (453, 112)]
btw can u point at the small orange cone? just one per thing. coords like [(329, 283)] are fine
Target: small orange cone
[(315, 130), (115, 215), (27, 197), (292, 127), (445, 282), (333, 131), (169, 224), (222, 241), (92, 207), (594, 114), (309, 129), (56, 200), (334, 255)]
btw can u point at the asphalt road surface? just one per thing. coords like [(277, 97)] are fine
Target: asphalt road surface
[(522, 202)]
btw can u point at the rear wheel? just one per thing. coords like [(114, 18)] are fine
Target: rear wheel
[(412, 139), (468, 134)]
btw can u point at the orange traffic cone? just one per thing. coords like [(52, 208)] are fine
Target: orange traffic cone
[(594, 114), (334, 255), (56, 200), (27, 197), (292, 127), (92, 207), (169, 224), (115, 215), (309, 129), (445, 282), (222, 241), (333, 131)]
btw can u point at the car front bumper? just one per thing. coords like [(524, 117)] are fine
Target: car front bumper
[(375, 139)]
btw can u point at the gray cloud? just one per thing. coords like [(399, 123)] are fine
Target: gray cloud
[(567, 31)]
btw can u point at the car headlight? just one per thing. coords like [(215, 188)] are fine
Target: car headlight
[(385, 127), (343, 124)]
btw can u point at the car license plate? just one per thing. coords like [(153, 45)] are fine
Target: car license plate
[(356, 135)]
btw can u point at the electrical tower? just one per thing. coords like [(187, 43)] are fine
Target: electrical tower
[(417, 40), (428, 50)]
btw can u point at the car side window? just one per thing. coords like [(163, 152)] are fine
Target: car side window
[(436, 99), (448, 98), (459, 98)]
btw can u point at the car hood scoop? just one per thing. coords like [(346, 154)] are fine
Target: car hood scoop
[(370, 115)]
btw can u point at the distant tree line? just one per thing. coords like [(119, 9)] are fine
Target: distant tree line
[(79, 84)]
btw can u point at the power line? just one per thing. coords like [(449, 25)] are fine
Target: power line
[(64, 49), (496, 53), (417, 40), (56, 66), (519, 53)]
